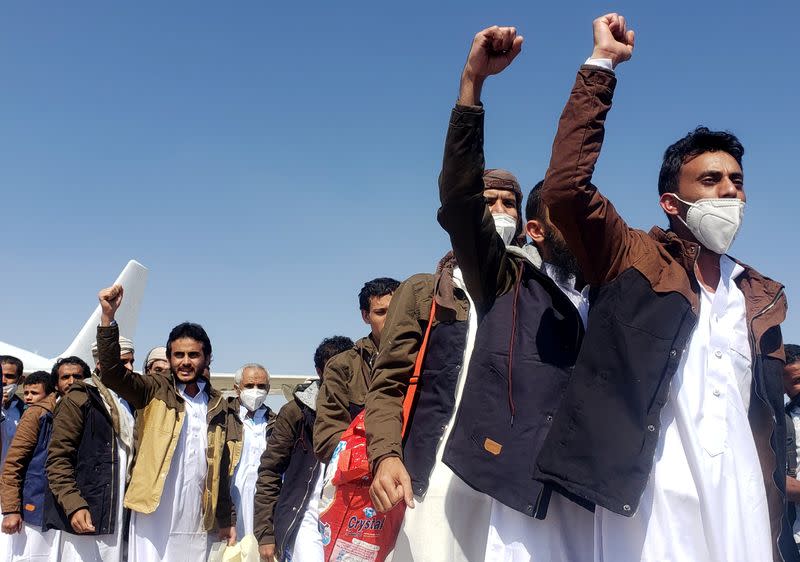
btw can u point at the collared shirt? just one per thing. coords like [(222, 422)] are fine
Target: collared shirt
[(705, 499), (243, 488), (579, 298)]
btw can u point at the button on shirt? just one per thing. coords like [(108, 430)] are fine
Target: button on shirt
[(705, 499), (243, 489)]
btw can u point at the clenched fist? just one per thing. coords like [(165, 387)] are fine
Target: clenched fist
[(612, 39), (110, 299), (493, 49)]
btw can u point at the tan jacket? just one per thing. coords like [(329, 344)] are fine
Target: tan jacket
[(160, 414), (342, 395), (20, 453)]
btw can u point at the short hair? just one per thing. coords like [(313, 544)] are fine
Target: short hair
[(192, 331), (534, 210), (792, 353), (697, 142), (237, 376), (43, 378), (11, 360), (329, 347), (71, 360), (376, 288)]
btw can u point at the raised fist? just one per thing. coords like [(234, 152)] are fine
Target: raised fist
[(110, 299), (492, 51), (612, 39)]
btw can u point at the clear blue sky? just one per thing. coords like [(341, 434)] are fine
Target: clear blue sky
[(264, 159)]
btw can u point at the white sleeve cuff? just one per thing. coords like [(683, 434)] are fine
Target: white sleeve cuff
[(602, 63)]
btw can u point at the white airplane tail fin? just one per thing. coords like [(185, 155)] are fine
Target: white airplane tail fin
[(133, 279)]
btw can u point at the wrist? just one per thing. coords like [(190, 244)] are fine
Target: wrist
[(107, 320), (599, 53), (469, 92)]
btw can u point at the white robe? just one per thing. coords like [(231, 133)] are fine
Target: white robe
[(450, 523), (705, 499), (33, 545), (174, 531), (243, 487), (109, 547)]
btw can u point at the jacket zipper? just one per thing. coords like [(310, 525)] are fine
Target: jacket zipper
[(311, 481), (757, 361)]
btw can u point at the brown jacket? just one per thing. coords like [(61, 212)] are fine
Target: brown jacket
[(20, 452), (342, 395), (287, 430), (406, 321)]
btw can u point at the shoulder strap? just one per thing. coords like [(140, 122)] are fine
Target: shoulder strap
[(408, 402)]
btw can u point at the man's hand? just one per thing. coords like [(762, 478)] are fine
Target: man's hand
[(267, 552), (110, 299), (391, 485), (612, 39), (492, 51), (229, 534), (81, 522), (12, 523)]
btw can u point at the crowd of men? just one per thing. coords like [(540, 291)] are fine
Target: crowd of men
[(589, 391)]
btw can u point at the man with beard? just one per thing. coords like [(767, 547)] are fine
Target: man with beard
[(179, 486), (528, 332), (672, 423), (11, 407)]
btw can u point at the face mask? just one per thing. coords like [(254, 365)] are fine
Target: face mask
[(253, 398), (714, 222), (9, 390), (506, 226)]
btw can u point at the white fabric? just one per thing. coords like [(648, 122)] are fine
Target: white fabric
[(174, 531), (307, 545), (9, 427), (566, 534), (109, 547), (705, 499), (243, 487), (450, 522), (32, 545), (608, 64)]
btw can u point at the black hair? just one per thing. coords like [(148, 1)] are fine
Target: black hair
[(71, 360), (43, 378), (534, 210), (11, 360), (192, 331), (376, 288), (697, 142), (792, 353), (329, 347)]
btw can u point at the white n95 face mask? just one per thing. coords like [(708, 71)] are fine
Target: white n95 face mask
[(506, 226), (714, 222), (253, 398)]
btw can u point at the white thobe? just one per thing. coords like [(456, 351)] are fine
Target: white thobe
[(794, 413), (307, 545), (109, 547), (450, 521), (174, 531), (243, 487), (33, 545), (705, 498), (566, 534)]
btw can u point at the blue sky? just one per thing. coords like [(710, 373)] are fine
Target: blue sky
[(264, 159)]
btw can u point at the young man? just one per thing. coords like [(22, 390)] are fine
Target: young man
[(253, 421), (179, 485), (88, 460), (156, 362), (344, 386), (37, 386), (11, 407), (23, 484), (672, 422), (289, 478)]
